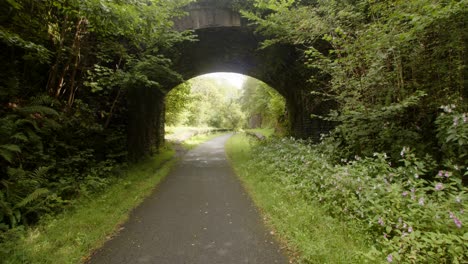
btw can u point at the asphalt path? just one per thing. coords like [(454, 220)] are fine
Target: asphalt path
[(199, 215)]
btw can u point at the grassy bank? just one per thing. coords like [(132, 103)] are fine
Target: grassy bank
[(70, 236), (310, 234)]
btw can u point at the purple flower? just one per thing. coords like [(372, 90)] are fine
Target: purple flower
[(440, 174), (421, 201), (457, 221), (381, 221), (447, 174), (405, 193), (390, 258), (439, 186)]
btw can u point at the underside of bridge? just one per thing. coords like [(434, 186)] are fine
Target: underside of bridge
[(225, 44)]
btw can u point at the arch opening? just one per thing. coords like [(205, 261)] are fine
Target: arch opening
[(226, 101)]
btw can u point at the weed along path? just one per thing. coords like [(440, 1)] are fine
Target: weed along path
[(199, 215)]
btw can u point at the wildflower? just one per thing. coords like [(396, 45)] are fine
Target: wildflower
[(464, 117), (439, 186), (416, 176), (381, 221), (447, 174), (385, 235), (405, 193), (421, 201), (403, 151), (390, 258), (457, 221), (440, 174), (455, 121), (458, 199), (410, 229)]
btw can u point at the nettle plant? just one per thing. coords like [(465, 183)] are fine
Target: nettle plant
[(412, 220)]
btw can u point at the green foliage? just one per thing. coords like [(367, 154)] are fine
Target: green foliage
[(176, 102), (264, 106), (205, 101), (370, 55), (90, 221), (67, 68), (452, 133), (410, 219)]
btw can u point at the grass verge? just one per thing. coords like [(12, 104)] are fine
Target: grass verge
[(70, 236), (309, 233), (267, 132)]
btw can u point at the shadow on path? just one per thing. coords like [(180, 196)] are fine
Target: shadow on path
[(199, 215)]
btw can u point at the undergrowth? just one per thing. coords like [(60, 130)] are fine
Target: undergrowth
[(406, 218), (69, 237)]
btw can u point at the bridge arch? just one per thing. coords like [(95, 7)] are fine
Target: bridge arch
[(226, 44)]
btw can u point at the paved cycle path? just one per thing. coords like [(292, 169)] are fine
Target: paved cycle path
[(199, 215)]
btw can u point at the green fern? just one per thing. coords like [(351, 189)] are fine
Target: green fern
[(8, 151), (32, 197), (20, 136), (33, 109), (5, 208), (43, 100), (40, 172)]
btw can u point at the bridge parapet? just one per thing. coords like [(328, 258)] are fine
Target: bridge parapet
[(203, 15)]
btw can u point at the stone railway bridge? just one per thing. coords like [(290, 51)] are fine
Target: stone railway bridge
[(227, 44)]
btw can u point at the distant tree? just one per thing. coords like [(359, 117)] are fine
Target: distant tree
[(262, 103)]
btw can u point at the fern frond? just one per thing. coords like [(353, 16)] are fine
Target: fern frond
[(24, 121), (32, 197), (20, 136), (33, 109), (43, 100), (16, 173), (40, 172), (51, 124), (11, 147), (6, 155), (7, 151), (5, 206)]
